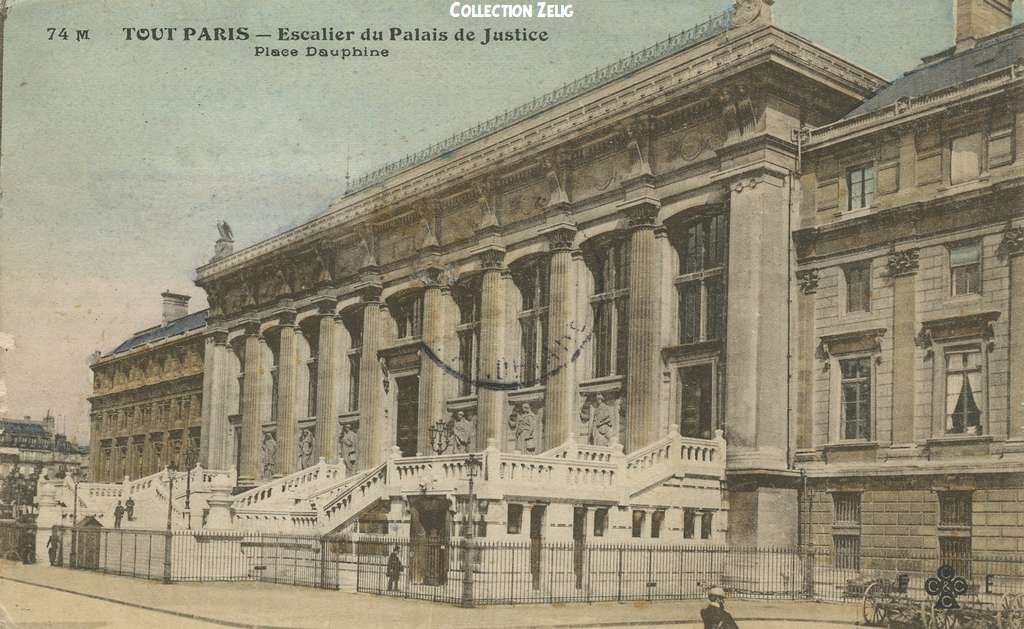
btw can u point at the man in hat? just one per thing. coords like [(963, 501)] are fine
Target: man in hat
[(394, 570), (714, 615)]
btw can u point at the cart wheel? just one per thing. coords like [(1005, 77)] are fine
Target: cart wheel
[(1011, 611), (873, 607)]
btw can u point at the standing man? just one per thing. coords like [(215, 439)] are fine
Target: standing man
[(129, 508), (118, 514), (394, 570), (714, 615)]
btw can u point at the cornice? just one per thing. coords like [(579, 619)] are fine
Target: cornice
[(685, 72)]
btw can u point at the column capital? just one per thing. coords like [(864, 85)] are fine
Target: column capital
[(218, 336), (808, 279), (560, 237), (902, 263), (435, 276), (248, 327), (642, 212), (492, 258), (325, 306), (750, 176), (1013, 242), (370, 294)]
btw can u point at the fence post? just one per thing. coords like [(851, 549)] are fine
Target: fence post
[(167, 556), (467, 573), (809, 567), (618, 595)]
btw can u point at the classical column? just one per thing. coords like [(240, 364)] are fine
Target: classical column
[(326, 382), (287, 423), (560, 393), (491, 396), (1013, 246), (432, 376), (902, 269), (372, 431), (642, 376), (249, 463), (214, 434)]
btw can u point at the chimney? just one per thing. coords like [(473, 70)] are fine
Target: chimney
[(175, 306), (975, 19), (49, 423)]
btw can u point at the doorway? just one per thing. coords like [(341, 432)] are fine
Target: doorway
[(429, 529), (695, 418), (408, 413)]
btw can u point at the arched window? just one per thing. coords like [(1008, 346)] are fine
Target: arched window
[(702, 245), (531, 277), (609, 263), (467, 297)]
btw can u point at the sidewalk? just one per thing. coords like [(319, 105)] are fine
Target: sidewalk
[(266, 605)]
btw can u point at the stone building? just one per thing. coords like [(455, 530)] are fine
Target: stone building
[(30, 447), (587, 292), (147, 397), (910, 315)]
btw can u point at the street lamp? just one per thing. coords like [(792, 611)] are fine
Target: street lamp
[(167, 536), (190, 463), (74, 519), (472, 461)]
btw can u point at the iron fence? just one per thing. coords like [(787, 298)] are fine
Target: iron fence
[(485, 572)]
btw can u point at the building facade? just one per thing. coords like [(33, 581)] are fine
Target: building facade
[(591, 292), (35, 448), (910, 349), (147, 397)]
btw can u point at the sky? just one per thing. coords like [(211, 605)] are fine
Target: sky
[(118, 157)]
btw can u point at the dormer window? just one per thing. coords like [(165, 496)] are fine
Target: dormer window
[(860, 183)]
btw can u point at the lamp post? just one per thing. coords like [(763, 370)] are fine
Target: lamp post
[(472, 461), (190, 463), (167, 536), (74, 520)]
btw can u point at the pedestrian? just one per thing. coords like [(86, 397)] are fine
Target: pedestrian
[(53, 548), (129, 508), (118, 514), (714, 615), (394, 570)]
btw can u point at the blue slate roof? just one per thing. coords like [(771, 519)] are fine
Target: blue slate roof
[(947, 69), (185, 324), (16, 426)]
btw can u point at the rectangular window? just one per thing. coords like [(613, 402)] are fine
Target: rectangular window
[(515, 519), (956, 552), (639, 518), (695, 413), (858, 287), (657, 519), (965, 158), (955, 509), (860, 182), (353, 381), (846, 552), (274, 393), (701, 282), (965, 269), (600, 522), (856, 398), (964, 391), (312, 388), (689, 523), (468, 298), (705, 524), (610, 303), (532, 281), (408, 314), (846, 508)]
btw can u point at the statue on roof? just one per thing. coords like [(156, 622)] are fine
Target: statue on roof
[(225, 230), (226, 243)]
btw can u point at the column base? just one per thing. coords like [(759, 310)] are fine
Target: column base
[(763, 508)]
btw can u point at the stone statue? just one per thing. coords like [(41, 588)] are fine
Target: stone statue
[(463, 431), (349, 447), (225, 230), (268, 455), (602, 425), (525, 426), (225, 245), (306, 458)]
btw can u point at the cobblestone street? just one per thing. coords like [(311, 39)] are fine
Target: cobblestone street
[(53, 597)]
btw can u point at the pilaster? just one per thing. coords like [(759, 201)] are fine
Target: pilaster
[(1012, 246), (903, 270), (432, 376), (808, 283), (287, 424)]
